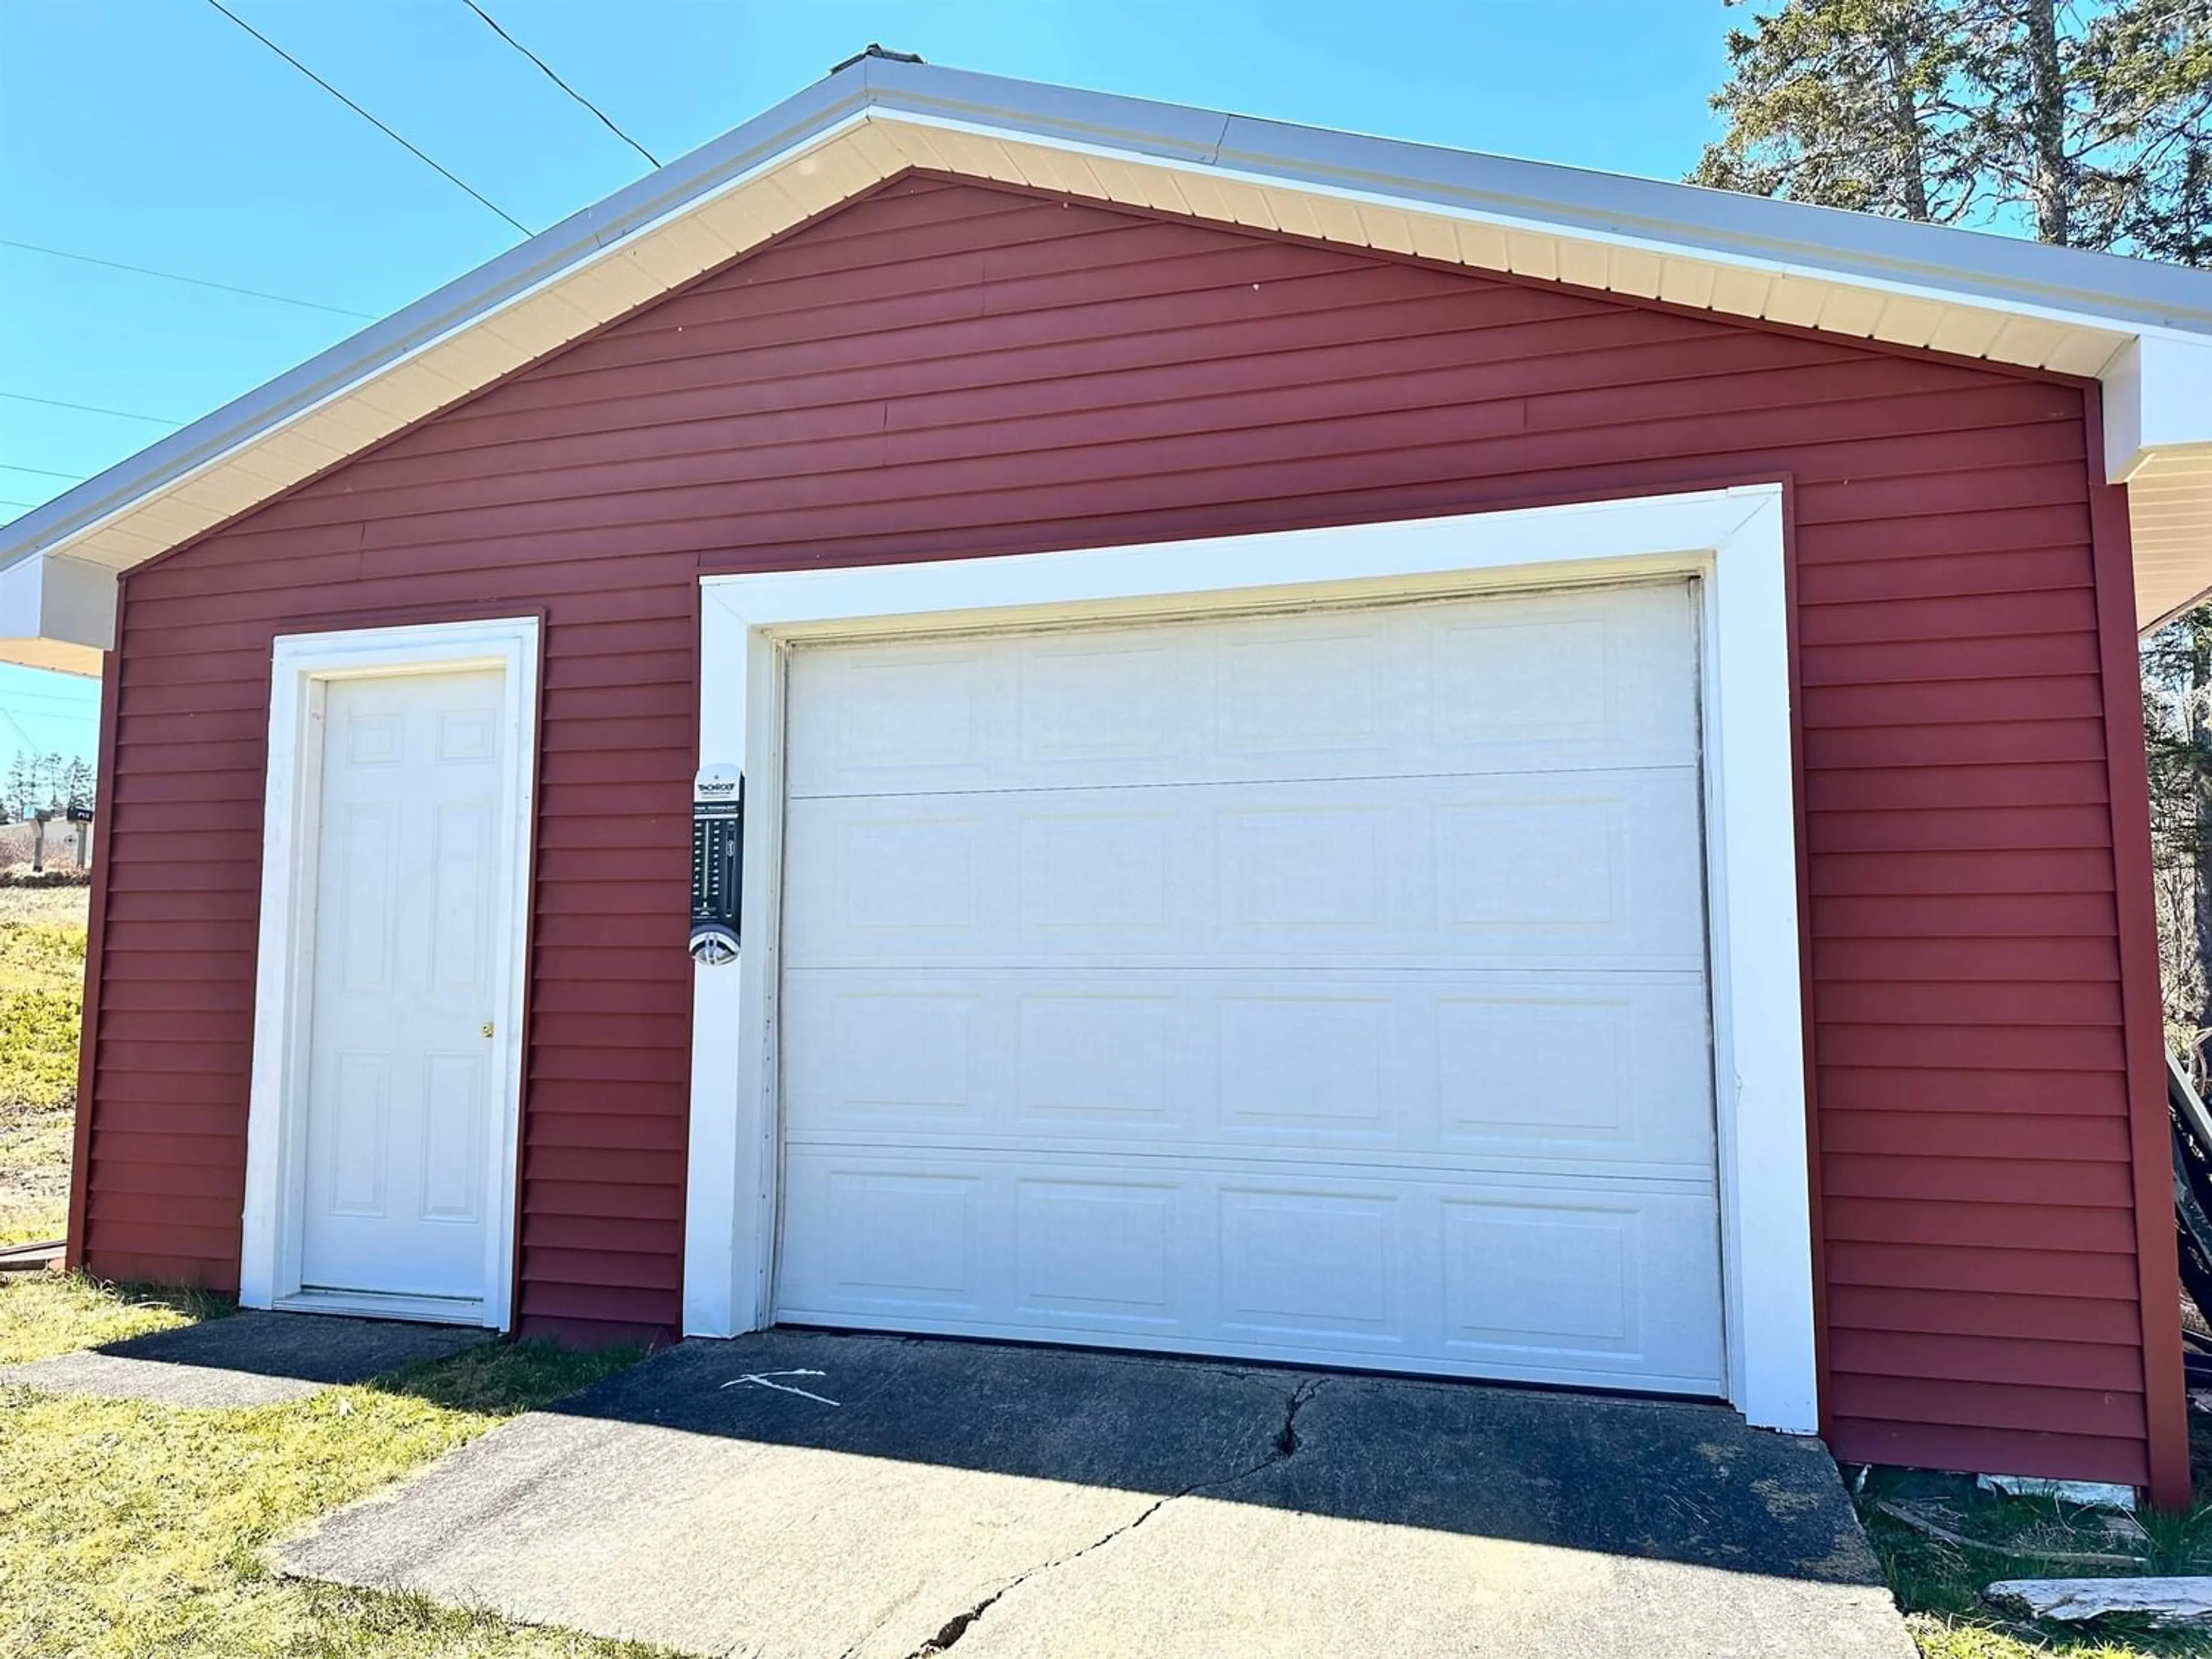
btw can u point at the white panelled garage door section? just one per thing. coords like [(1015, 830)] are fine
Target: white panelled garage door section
[(1327, 987)]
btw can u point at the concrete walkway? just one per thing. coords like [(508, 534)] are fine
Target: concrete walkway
[(249, 1359), (806, 1496)]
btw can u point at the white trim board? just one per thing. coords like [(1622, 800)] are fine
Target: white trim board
[(1733, 539), (302, 666)]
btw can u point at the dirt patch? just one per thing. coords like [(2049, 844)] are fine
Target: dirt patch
[(34, 1172), (41, 984), (52, 907)]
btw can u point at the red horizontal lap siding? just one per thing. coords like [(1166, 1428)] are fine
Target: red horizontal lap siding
[(948, 369)]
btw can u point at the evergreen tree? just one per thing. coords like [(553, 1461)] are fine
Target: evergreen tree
[(51, 783), (21, 787), (2085, 124), (2089, 125), (1854, 104)]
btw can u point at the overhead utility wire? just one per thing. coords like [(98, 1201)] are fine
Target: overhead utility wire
[(43, 471), (605, 120), (88, 409), (171, 276), (68, 705), (21, 735), (447, 172)]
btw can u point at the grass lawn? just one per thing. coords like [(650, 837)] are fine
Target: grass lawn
[(41, 988), (1939, 1585), (128, 1529)]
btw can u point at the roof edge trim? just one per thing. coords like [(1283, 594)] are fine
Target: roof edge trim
[(1555, 198)]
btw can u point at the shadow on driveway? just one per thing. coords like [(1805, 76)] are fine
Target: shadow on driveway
[(250, 1358), (1667, 1479), (800, 1493)]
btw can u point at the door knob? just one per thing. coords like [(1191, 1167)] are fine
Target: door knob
[(487, 1028)]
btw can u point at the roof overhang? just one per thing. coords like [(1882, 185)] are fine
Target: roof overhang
[(2144, 329)]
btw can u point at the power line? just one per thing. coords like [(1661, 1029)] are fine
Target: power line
[(54, 716), (88, 409), (6, 503), (21, 735), (172, 277), (447, 172), (43, 471), (605, 120), (72, 705)]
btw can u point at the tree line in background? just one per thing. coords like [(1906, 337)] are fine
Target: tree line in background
[(2089, 125), (2085, 124), (51, 783)]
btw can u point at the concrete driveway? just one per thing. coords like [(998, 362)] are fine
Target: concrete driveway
[(818, 1497)]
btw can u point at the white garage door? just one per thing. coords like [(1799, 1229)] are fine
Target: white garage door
[(1327, 987)]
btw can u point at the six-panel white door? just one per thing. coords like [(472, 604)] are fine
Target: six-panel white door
[(1327, 987), (400, 1084)]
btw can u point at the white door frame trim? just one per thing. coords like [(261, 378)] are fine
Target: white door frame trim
[(1733, 539), (302, 667)]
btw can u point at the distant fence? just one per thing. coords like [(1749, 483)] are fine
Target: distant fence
[(64, 849)]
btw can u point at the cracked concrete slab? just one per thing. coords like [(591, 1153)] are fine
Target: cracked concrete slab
[(1212, 1575), (1527, 1524), (796, 1494), (682, 1503), (248, 1358)]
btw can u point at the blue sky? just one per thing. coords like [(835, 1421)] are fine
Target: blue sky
[(157, 133)]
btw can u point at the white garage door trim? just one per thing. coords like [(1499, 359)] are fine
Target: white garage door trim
[(1734, 539), (303, 666)]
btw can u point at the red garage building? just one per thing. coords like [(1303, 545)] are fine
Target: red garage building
[(1352, 753)]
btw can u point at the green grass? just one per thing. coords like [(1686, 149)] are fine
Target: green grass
[(42, 938), (34, 1166), (42, 992), (1939, 1585), (1947, 1638), (38, 1044), (45, 1313), (128, 1528)]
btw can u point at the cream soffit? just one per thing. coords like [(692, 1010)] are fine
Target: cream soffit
[(2142, 327)]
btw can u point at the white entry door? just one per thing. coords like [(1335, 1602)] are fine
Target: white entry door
[(400, 1082), (1327, 987)]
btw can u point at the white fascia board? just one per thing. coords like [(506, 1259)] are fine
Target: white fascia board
[(20, 609), (1661, 242), (2158, 395), (1034, 109), (1889, 256), (1893, 255), (54, 599)]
